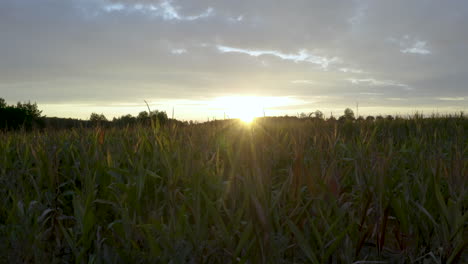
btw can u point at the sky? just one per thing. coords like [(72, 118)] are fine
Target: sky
[(200, 59)]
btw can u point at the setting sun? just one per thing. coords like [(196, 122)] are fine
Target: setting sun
[(247, 118), (247, 108)]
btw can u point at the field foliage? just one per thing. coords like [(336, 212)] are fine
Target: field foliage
[(281, 190)]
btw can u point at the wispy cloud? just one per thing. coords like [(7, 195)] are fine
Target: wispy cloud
[(304, 82), (178, 51), (411, 45), (301, 56), (170, 13), (373, 94), (451, 98), (358, 15), (396, 99), (114, 7), (237, 19), (351, 70), (374, 82), (419, 47), (165, 10)]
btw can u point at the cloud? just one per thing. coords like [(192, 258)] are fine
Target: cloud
[(171, 13), (301, 56), (178, 51), (237, 19), (374, 82), (114, 7), (351, 70), (126, 50), (358, 16), (305, 82), (451, 98), (373, 94), (165, 10), (419, 47), (396, 99), (411, 45)]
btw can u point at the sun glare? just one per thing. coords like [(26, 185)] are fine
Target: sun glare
[(247, 119), (247, 108)]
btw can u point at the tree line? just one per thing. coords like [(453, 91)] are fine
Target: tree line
[(144, 117), (27, 116)]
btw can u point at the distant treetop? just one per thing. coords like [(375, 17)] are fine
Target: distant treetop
[(22, 115)]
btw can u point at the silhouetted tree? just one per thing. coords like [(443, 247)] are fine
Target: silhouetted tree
[(349, 114), (143, 116), (124, 120), (3, 103), (318, 114), (30, 109), (97, 119), (23, 115), (159, 116)]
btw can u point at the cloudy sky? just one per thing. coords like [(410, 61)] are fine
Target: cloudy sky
[(74, 57)]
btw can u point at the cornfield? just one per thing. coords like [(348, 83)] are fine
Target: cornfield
[(281, 190)]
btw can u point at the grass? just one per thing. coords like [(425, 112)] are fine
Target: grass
[(278, 191)]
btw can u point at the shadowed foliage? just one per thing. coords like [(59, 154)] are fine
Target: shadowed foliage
[(282, 190)]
